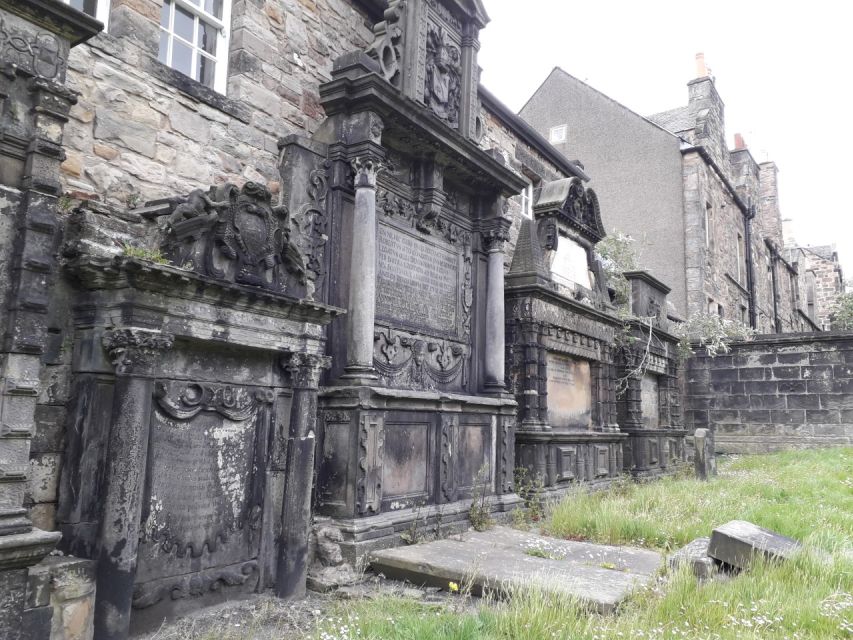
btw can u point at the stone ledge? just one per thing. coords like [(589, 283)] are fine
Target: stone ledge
[(22, 550)]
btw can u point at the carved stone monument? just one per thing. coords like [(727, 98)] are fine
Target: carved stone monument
[(414, 416), (35, 39), (560, 343), (192, 431), (650, 400)]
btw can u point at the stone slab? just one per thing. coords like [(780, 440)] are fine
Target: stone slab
[(736, 542), (695, 554), (500, 560)]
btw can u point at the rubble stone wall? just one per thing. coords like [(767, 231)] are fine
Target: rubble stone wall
[(774, 392)]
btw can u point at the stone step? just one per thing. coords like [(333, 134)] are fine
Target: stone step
[(500, 560)]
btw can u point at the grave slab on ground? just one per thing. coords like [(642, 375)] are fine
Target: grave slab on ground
[(736, 542), (500, 559)]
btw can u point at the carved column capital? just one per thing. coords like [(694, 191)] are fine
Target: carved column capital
[(493, 234), (132, 350), (305, 368), (366, 169)]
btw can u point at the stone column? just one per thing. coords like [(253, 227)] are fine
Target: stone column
[(135, 353), (305, 370), (35, 38), (493, 234), (362, 277)]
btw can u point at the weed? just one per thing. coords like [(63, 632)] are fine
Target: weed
[(140, 253), (480, 512)]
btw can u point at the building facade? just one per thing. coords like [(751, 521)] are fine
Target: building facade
[(705, 219)]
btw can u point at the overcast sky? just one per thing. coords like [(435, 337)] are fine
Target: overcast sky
[(784, 71)]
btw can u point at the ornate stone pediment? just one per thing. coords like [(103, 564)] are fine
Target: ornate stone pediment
[(428, 50), (235, 234), (577, 207)]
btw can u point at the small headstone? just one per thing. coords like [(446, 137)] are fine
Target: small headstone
[(695, 554), (736, 542), (704, 458)]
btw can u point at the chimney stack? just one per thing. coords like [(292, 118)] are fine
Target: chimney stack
[(701, 69), (739, 143)]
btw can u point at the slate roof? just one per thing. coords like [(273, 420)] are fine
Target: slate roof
[(674, 120)]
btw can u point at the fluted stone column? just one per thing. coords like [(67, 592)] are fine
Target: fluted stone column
[(494, 233), (362, 278)]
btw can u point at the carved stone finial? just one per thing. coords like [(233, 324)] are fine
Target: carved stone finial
[(366, 169), (130, 348), (386, 46)]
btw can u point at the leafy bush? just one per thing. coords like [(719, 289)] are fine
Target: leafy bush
[(710, 331)]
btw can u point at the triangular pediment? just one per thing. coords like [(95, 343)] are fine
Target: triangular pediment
[(474, 9)]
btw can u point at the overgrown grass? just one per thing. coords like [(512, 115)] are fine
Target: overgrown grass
[(806, 494)]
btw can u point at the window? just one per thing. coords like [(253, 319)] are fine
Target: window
[(98, 9), (194, 39), (741, 260), (527, 201), (558, 134), (707, 225)]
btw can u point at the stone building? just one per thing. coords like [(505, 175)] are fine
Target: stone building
[(247, 246), (705, 218), (821, 280)]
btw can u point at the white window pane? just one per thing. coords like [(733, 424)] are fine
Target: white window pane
[(163, 55), (89, 7), (184, 24), (213, 7), (207, 37), (182, 57), (164, 14), (206, 70)]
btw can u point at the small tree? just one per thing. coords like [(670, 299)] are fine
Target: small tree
[(711, 332), (617, 256), (841, 316)]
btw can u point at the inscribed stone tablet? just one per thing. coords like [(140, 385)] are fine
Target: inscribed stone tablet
[(569, 392), (417, 281), (569, 266), (649, 401)]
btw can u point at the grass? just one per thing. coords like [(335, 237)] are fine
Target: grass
[(807, 495)]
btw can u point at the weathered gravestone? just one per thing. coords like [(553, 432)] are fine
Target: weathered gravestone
[(191, 447), (695, 555), (414, 419), (560, 342), (736, 543), (650, 397), (704, 457)]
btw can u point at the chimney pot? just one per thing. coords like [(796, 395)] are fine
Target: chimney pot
[(701, 69), (739, 143)]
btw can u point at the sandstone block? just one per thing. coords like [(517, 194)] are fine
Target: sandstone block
[(737, 542), (695, 554)]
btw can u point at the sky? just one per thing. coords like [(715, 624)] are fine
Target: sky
[(784, 71)]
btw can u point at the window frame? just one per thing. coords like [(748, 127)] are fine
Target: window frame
[(565, 134), (223, 38), (102, 11), (527, 201)]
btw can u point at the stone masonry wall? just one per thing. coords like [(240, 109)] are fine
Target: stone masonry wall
[(775, 392), (142, 131)]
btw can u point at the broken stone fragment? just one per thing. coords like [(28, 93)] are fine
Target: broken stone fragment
[(695, 554), (737, 542)]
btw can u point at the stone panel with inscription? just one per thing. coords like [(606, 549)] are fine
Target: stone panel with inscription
[(569, 392), (417, 282), (650, 401)]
